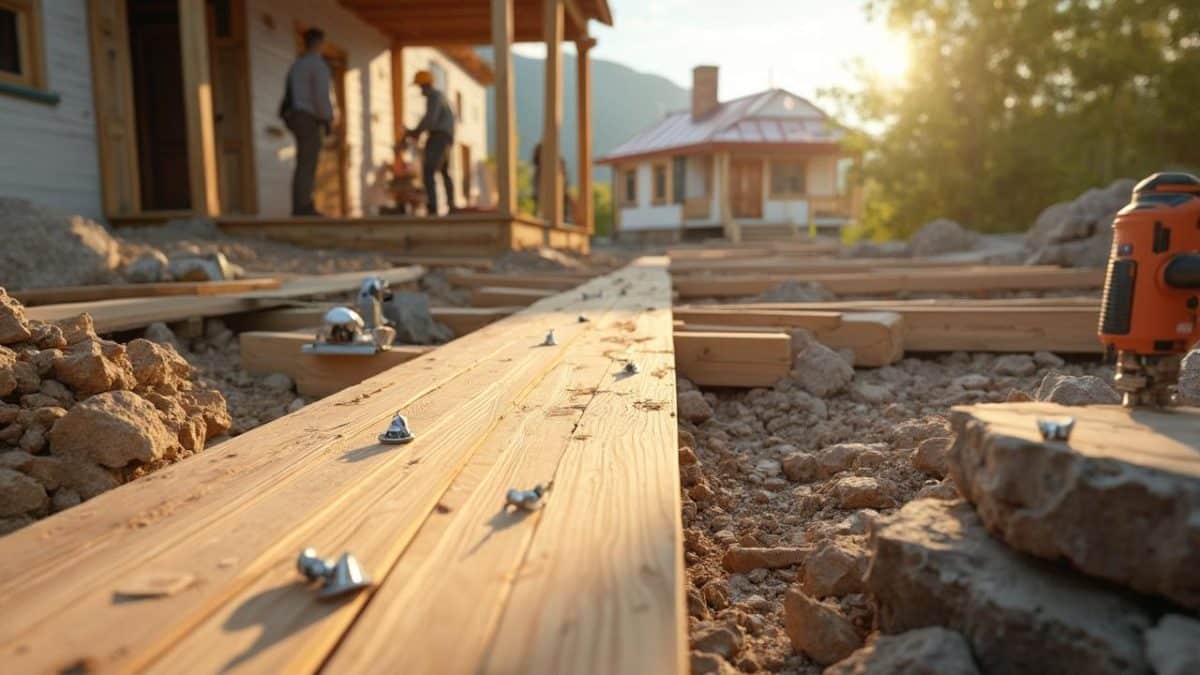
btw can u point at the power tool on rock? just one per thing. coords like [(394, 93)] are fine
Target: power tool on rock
[(1148, 313)]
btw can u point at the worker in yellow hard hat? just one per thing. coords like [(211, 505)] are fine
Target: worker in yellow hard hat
[(438, 123)]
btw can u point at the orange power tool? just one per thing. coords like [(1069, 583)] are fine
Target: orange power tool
[(1152, 290)]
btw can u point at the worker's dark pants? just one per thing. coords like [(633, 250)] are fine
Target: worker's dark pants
[(437, 160), (307, 130)]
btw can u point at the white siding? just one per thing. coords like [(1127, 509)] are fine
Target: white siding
[(647, 216), (49, 152), (271, 28)]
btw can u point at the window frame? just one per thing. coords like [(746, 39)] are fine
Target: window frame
[(787, 193), (679, 172), (665, 167), (31, 48), (629, 197)]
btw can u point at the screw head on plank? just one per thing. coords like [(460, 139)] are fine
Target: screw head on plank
[(631, 368), (397, 432), (343, 577), (1056, 429), (527, 500), (549, 341)]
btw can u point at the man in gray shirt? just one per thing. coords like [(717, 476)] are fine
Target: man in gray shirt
[(438, 122), (308, 112)]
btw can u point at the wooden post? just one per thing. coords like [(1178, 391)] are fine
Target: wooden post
[(112, 88), (724, 185), (198, 110), (584, 217), (506, 158), (398, 89), (550, 190)]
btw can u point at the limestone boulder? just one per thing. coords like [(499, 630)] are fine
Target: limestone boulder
[(925, 651), (817, 369), (934, 564), (414, 323), (1120, 501), (14, 327), (113, 429), (942, 236), (1075, 390), (836, 568), (818, 629)]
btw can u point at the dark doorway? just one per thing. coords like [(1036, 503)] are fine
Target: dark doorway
[(154, 48)]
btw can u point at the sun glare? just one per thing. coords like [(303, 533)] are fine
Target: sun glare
[(887, 55)]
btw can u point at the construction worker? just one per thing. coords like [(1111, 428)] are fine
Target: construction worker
[(438, 123), (307, 109)]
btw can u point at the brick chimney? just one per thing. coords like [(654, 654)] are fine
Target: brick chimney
[(704, 91)]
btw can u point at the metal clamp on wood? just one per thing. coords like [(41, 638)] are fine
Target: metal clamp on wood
[(1056, 430)]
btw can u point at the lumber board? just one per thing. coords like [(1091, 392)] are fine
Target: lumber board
[(235, 516), (501, 296), (756, 250), (263, 353), (461, 320), (546, 282), (896, 304), (62, 294), (733, 359), (890, 282), (436, 262), (876, 338), (785, 265), (342, 282), (725, 315)]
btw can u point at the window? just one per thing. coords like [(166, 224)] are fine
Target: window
[(678, 179), (629, 194), (660, 185), (21, 58), (787, 178)]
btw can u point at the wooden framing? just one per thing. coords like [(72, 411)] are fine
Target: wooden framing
[(263, 353), (198, 111), (31, 48), (733, 359), (585, 215), (112, 88), (506, 144), (48, 296), (550, 193), (399, 86)]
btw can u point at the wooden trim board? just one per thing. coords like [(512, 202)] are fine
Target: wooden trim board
[(64, 294)]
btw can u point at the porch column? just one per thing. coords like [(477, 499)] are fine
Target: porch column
[(584, 215), (725, 185), (398, 88), (198, 109), (506, 157), (550, 190)]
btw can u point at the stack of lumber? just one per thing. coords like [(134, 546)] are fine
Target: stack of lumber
[(593, 582)]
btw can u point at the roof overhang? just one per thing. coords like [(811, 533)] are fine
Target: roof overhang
[(792, 149), (468, 22), (473, 64)]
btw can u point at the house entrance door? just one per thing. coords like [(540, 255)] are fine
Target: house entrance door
[(746, 188)]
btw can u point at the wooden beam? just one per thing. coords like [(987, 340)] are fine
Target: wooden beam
[(433, 262), (724, 185), (50, 296), (550, 282), (505, 132), (263, 353), (738, 315), (198, 110), (728, 250), (733, 359), (805, 265), (399, 87), (551, 189), (585, 216), (500, 296), (461, 320), (112, 89)]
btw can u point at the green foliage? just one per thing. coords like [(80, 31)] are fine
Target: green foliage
[(1011, 105), (602, 208), (525, 203)]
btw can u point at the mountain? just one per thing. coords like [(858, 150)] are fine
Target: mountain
[(624, 101)]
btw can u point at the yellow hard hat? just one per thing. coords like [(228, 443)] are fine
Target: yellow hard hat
[(423, 77)]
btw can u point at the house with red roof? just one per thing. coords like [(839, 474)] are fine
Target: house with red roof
[(760, 165)]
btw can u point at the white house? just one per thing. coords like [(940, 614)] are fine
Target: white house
[(755, 163)]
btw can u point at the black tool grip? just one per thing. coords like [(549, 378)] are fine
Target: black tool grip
[(1116, 309)]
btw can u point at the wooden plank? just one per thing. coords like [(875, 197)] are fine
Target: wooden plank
[(728, 251), (964, 280), (876, 338), (461, 320), (807, 265), (435, 262), (61, 294), (342, 282), (112, 86), (733, 359), (464, 320), (235, 515), (547, 282), (500, 296), (723, 315), (263, 353)]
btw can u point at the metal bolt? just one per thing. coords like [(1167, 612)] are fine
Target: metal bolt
[(583, 319), (342, 577), (1056, 429), (527, 500), (397, 432), (631, 368), (312, 566), (549, 341)]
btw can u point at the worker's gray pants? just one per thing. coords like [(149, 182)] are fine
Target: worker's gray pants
[(307, 130), (435, 161)]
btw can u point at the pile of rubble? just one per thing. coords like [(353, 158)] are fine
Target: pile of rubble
[(80, 415), (1078, 233), (824, 528)]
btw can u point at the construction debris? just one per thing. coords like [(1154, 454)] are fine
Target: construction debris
[(1078, 233), (46, 247), (942, 236)]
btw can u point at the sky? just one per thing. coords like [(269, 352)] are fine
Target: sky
[(798, 45)]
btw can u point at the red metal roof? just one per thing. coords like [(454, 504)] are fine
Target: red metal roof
[(774, 116)]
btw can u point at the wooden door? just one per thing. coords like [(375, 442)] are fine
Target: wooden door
[(230, 72), (746, 188)]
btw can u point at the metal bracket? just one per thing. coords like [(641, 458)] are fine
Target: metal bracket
[(1056, 429), (527, 500), (397, 432), (631, 368), (341, 578)]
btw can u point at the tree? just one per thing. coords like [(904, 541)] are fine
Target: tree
[(602, 208), (1011, 105)]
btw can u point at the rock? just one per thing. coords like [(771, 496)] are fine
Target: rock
[(836, 568), (801, 467), (85, 477), (113, 429), (1048, 360), (14, 327), (278, 382), (1173, 646), (817, 368), (47, 336), (692, 407), (717, 638), (92, 366), (155, 364), (57, 391), (1076, 390), (768, 467), (209, 405), (1189, 379), (20, 494), (863, 492), (160, 333), (942, 490), (942, 236), (1078, 233), (46, 247), (702, 663), (795, 291), (872, 394), (409, 312), (930, 456), (296, 404), (934, 564), (818, 629), (972, 381), (33, 440), (840, 457), (8, 378), (148, 268), (926, 651), (1015, 365), (14, 523), (206, 267), (745, 559), (64, 499), (27, 378), (1110, 513)]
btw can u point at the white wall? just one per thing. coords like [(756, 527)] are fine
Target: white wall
[(48, 153), (271, 33), (647, 216)]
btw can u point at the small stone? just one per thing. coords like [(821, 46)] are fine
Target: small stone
[(859, 492), (14, 327), (717, 638), (278, 382), (817, 368), (715, 594), (692, 407), (702, 663), (158, 332), (1015, 365), (768, 467), (930, 456), (1173, 646), (1048, 360), (57, 391), (27, 377), (92, 366), (942, 490), (837, 458), (113, 429), (818, 629), (743, 559), (296, 404), (872, 394), (20, 494), (1076, 390), (972, 381), (64, 499), (148, 268), (925, 651), (33, 440), (836, 568), (801, 467)]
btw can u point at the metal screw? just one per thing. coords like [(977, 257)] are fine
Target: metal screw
[(549, 341), (1056, 429), (341, 577), (397, 432), (631, 368), (583, 319), (527, 500)]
